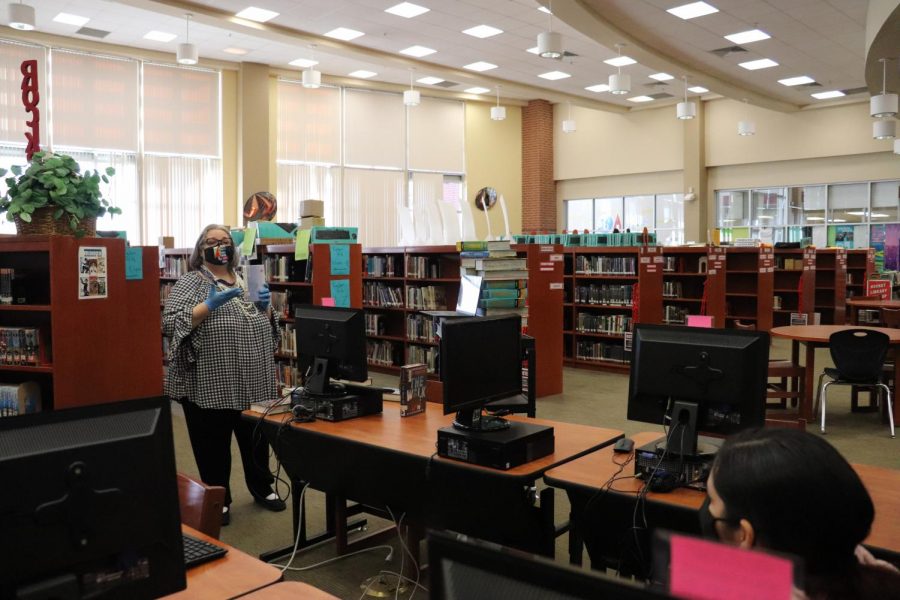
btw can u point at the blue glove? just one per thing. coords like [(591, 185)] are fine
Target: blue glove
[(265, 298), (217, 298)]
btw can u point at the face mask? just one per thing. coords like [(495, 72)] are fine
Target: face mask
[(219, 255)]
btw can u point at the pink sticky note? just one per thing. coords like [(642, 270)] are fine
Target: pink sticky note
[(704, 570), (327, 301), (699, 321)]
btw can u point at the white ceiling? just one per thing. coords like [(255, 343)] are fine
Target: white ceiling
[(820, 38)]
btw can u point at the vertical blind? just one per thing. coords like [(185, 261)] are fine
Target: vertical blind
[(181, 110), (298, 182), (372, 200), (181, 196)]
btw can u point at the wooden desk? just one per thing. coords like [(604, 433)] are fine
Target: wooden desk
[(677, 510), (290, 590), (816, 336), (234, 574), (856, 305), (388, 461)]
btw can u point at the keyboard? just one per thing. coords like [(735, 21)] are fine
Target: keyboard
[(197, 552)]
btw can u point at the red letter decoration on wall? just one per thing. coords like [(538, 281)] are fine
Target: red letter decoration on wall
[(30, 98)]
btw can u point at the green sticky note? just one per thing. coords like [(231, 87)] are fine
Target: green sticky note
[(134, 263), (340, 291), (301, 249), (249, 240), (340, 259)]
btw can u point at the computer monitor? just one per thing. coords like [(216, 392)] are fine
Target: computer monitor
[(481, 361), (469, 294), (331, 343), (463, 568), (89, 503), (709, 380)]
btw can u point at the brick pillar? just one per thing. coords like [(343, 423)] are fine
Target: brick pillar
[(538, 186)]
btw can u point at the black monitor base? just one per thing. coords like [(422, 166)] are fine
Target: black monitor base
[(472, 419)]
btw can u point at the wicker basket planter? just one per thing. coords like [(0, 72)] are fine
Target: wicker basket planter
[(43, 223)]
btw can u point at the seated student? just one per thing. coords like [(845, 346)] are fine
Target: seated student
[(790, 491)]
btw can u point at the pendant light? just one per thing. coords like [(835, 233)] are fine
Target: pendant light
[(619, 83), (568, 125), (884, 104), (187, 52), (21, 16), (896, 146), (411, 97), (311, 78), (498, 113), (884, 129), (549, 42), (746, 127), (686, 110)]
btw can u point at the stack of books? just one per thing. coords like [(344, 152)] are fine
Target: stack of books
[(504, 277)]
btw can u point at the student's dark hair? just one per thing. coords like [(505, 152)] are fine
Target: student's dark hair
[(801, 496)]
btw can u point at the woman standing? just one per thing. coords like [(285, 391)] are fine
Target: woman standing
[(221, 359)]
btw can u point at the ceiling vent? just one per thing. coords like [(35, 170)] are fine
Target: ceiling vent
[(856, 90), (723, 52), (660, 95), (91, 32), (656, 84), (446, 84)]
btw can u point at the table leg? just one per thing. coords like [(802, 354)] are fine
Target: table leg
[(806, 404), (896, 387), (576, 544)]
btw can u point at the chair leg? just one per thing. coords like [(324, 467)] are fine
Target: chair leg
[(824, 395), (890, 406), (818, 392)]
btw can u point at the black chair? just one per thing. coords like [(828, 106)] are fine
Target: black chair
[(526, 402), (858, 355)]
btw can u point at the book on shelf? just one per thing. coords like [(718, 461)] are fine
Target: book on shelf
[(501, 264), (501, 303), (504, 293), (272, 407), (472, 254), (413, 379), (504, 284), (498, 311), (20, 399), (20, 346), (478, 245), (519, 275)]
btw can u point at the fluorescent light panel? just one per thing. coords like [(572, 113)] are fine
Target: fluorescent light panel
[(698, 89), (303, 63), (748, 37), (641, 99), (477, 90), (480, 66), (235, 51), (260, 15), (345, 34), (620, 61), (159, 36), (407, 10), (600, 87), (533, 50), (815, 218), (362, 74), (661, 76), (482, 31), (70, 19), (828, 95), (554, 75), (801, 80), (544, 9), (430, 80), (418, 51), (755, 65), (693, 10)]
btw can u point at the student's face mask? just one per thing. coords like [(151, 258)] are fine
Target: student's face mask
[(218, 255)]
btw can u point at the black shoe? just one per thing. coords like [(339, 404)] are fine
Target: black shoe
[(226, 517), (275, 505)]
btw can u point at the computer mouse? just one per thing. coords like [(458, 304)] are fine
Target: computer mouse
[(624, 445)]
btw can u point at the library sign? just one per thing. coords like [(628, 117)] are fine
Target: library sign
[(31, 96)]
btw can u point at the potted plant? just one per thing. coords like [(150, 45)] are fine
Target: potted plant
[(52, 195)]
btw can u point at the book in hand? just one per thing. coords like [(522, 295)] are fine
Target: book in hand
[(272, 407), (413, 379)]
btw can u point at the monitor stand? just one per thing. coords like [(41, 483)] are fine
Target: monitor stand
[(319, 384), (472, 419)]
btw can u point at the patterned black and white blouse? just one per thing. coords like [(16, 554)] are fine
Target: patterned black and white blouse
[(227, 361)]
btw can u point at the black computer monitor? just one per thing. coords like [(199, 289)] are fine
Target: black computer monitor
[(481, 361), (709, 380), (89, 503), (463, 568), (331, 343)]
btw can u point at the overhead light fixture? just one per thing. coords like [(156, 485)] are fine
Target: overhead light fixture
[(828, 95), (838, 220), (747, 37), (303, 63), (755, 65), (68, 19), (498, 113), (884, 129), (235, 51), (21, 16), (362, 74), (260, 15), (544, 9), (482, 31), (800, 80), (884, 104), (641, 99), (746, 127), (407, 10), (620, 61), (598, 88), (477, 90), (345, 34), (534, 50), (159, 36), (698, 89), (549, 43), (693, 10), (429, 80), (311, 78), (187, 52), (411, 97), (568, 125), (686, 110), (896, 146), (554, 75), (418, 51), (480, 66), (815, 218), (661, 76), (619, 83)]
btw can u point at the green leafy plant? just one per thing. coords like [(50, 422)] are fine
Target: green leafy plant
[(55, 181)]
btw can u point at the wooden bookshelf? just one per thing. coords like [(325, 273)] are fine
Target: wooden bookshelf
[(749, 276), (546, 266), (683, 283), (92, 350), (794, 285), (860, 266), (831, 285)]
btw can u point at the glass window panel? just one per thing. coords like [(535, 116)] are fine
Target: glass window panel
[(733, 208), (580, 215), (848, 203), (670, 237), (639, 212), (770, 207), (670, 211), (812, 200), (607, 214), (885, 201)]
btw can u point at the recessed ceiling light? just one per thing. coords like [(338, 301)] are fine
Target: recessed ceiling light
[(747, 37), (544, 9), (430, 80), (620, 61), (477, 90), (839, 220), (407, 10), (857, 213), (344, 34), (159, 36), (693, 10), (235, 51), (815, 218), (534, 50), (762, 63), (600, 87), (418, 51), (480, 66), (661, 76), (260, 15), (698, 89), (482, 31), (641, 99), (827, 95), (879, 215), (71, 19), (362, 74), (554, 75), (802, 79), (303, 63)]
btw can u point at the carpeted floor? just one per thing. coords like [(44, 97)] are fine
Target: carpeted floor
[(592, 398)]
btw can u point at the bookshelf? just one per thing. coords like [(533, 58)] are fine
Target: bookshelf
[(860, 266), (831, 285), (93, 350), (795, 284), (749, 276), (683, 283), (546, 266)]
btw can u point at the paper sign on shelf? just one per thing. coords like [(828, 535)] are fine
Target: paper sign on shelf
[(556, 286), (134, 263), (340, 259), (249, 240), (546, 248), (301, 247), (556, 257), (327, 301), (340, 291)]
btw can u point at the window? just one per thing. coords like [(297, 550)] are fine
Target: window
[(580, 215), (660, 213)]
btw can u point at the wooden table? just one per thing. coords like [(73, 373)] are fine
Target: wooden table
[(387, 461), (817, 336), (856, 305), (290, 590), (234, 574), (677, 510)]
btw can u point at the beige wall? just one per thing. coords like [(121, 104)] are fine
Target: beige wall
[(494, 158)]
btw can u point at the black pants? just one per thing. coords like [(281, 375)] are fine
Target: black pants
[(210, 431)]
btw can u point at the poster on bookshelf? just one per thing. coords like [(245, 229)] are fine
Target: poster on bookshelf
[(92, 281)]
